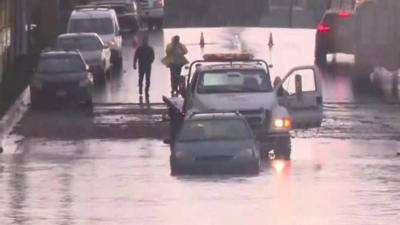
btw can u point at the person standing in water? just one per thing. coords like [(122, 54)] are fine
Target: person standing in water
[(144, 54), (175, 59)]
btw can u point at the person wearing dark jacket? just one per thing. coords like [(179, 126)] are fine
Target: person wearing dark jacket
[(145, 55)]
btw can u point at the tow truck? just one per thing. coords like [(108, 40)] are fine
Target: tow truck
[(238, 82)]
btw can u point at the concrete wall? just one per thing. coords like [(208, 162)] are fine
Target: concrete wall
[(14, 37), (183, 13)]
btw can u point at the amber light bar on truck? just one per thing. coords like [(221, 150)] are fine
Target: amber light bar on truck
[(228, 57)]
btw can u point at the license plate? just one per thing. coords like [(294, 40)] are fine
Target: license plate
[(61, 93)]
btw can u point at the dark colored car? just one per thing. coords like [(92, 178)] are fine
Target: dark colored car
[(334, 35), (215, 143), (60, 76), (127, 12)]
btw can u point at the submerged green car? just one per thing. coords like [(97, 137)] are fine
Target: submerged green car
[(215, 143)]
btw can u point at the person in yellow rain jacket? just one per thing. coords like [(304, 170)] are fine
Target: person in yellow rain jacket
[(175, 59)]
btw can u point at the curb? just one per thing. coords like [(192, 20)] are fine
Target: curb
[(14, 114)]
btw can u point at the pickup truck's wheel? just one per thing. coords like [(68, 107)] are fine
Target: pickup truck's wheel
[(283, 149)]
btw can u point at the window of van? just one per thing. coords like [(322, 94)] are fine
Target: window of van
[(95, 25)]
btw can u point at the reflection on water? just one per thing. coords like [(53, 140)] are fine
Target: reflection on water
[(129, 182), (19, 190), (281, 167)]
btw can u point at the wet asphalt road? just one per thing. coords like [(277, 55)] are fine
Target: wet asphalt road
[(68, 166)]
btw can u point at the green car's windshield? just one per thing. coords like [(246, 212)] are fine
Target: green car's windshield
[(216, 129)]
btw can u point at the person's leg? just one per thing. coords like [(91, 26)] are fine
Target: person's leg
[(171, 69), (141, 76), (174, 84), (148, 75), (177, 77), (178, 71)]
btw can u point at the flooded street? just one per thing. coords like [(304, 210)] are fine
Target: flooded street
[(112, 167), (128, 182)]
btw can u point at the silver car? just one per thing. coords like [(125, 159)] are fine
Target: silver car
[(215, 143), (94, 51)]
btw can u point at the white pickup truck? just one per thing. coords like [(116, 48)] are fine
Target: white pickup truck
[(237, 82)]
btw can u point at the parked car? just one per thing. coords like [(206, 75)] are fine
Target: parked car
[(127, 12), (61, 75), (215, 143), (335, 34), (96, 54), (104, 22), (152, 13)]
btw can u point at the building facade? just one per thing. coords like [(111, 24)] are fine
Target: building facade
[(5, 34), (14, 32)]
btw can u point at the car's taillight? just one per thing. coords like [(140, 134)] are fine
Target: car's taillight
[(323, 27), (344, 13)]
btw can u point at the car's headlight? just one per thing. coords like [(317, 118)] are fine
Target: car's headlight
[(282, 123), (246, 153), (84, 83), (37, 83)]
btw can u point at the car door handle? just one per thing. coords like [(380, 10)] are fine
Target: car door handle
[(319, 100)]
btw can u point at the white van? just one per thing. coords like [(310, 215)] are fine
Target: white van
[(152, 13), (102, 21)]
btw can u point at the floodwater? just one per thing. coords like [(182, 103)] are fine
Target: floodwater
[(111, 167), (129, 182)]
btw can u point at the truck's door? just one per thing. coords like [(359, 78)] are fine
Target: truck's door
[(301, 93)]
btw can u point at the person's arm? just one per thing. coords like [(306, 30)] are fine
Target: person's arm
[(168, 49), (152, 57), (184, 49), (135, 58)]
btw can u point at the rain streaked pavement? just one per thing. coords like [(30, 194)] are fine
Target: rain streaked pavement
[(111, 167)]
